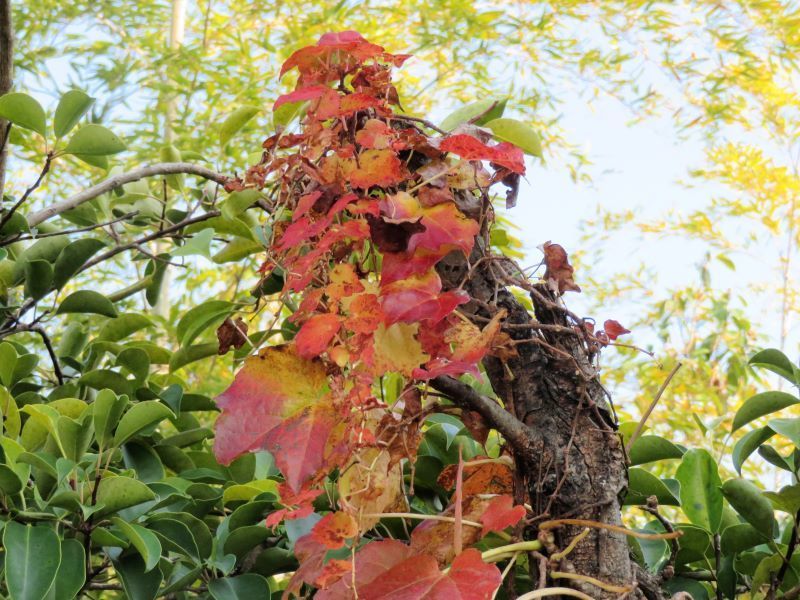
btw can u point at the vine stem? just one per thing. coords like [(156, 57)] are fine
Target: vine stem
[(597, 525), (554, 591)]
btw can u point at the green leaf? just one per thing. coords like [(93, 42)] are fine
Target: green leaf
[(742, 536), (136, 361), (787, 499), (750, 503), (210, 313), (198, 244), (118, 492), (139, 417), (242, 587), (8, 407), (106, 412), (38, 278), (191, 354), (748, 444), (242, 540), (235, 121), (137, 582), (485, 111), (8, 360), (643, 484), (71, 572), (760, 405), (123, 326), (176, 537), (650, 448), (87, 301), (101, 162), (776, 361), (701, 498), (32, 558), (72, 258), (71, 107), (10, 485), (23, 111), (75, 437), (145, 541), (789, 428), (143, 459), (172, 154), (94, 140), (238, 202), (520, 134), (236, 250), (99, 379)]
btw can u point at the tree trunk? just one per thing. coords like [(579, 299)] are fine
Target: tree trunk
[(573, 464), (6, 78)]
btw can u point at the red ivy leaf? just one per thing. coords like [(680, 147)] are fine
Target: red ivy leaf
[(613, 329), (280, 402), (419, 578), (501, 513), (419, 298), (470, 148), (316, 333), (378, 167), (307, 93), (334, 529), (372, 561)]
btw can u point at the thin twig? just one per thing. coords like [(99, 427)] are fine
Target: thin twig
[(25, 238), (646, 415), (10, 213)]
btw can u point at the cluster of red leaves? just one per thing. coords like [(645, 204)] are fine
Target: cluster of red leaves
[(366, 206)]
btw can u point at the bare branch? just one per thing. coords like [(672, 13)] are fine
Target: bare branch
[(463, 395), (117, 180), (6, 79)]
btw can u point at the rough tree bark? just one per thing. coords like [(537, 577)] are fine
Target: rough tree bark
[(6, 78), (572, 462)]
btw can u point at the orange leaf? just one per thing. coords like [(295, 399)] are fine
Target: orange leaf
[(316, 333), (334, 529)]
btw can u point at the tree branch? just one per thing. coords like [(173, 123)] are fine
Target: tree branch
[(6, 78), (509, 426), (117, 180)]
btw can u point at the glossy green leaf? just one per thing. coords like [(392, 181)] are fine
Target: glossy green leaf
[(238, 202), (235, 121), (23, 111), (740, 537), (172, 154), (144, 540), (117, 493), (789, 428), (643, 484), (139, 417), (701, 497), (198, 244), (241, 587), (760, 405), (520, 134), (32, 558), (136, 361), (94, 140), (71, 572), (479, 113), (191, 354), (72, 258), (748, 444), (99, 379), (123, 326), (143, 459), (786, 499), (240, 541), (236, 250), (87, 301), (10, 483), (71, 108), (777, 362), (107, 409), (38, 278), (12, 424), (175, 536), (750, 503), (650, 448), (202, 317), (139, 584)]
